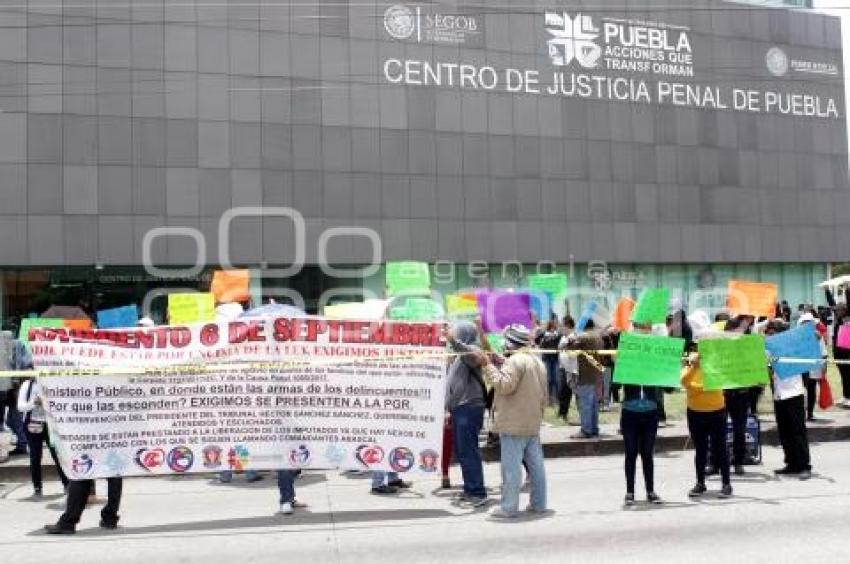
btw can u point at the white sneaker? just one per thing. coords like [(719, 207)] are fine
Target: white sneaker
[(285, 509), (499, 513)]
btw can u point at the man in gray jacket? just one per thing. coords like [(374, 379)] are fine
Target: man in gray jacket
[(520, 397), (465, 402)]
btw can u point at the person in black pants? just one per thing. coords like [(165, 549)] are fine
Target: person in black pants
[(35, 427), (811, 395), (738, 406), (36, 443), (78, 493), (639, 423)]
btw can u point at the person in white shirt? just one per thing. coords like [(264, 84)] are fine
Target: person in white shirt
[(35, 426), (788, 394)]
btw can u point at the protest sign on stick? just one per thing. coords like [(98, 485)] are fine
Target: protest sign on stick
[(126, 316), (500, 309), (622, 314), (28, 323)]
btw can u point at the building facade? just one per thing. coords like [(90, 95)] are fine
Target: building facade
[(675, 146)]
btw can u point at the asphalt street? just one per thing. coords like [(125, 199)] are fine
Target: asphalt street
[(185, 519)]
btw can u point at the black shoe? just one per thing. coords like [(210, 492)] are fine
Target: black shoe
[(805, 475), (629, 500), (37, 493), (111, 525), (60, 529), (446, 484), (725, 491), (384, 490), (697, 490), (18, 452), (786, 471), (654, 498), (400, 484)]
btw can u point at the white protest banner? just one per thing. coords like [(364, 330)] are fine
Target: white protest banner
[(255, 394)]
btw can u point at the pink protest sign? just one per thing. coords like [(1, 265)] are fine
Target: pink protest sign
[(499, 309), (844, 337)]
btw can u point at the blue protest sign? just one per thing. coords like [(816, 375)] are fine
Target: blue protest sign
[(540, 304), (126, 316), (802, 345), (586, 315)]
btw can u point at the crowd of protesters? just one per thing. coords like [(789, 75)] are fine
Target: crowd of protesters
[(546, 366)]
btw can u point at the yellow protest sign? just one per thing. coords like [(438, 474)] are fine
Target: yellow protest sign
[(190, 308)]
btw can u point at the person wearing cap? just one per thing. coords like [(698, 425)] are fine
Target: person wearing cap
[(521, 396)]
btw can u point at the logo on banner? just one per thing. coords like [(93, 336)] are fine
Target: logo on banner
[(335, 454), (777, 61), (572, 39), (211, 456), (114, 462), (299, 456), (401, 459), (238, 457), (399, 21), (180, 459), (369, 455), (83, 465), (149, 458), (428, 460)]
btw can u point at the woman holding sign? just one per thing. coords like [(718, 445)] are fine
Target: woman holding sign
[(706, 423), (639, 423)]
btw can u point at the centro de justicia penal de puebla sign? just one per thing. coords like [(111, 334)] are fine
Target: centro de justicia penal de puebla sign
[(601, 57)]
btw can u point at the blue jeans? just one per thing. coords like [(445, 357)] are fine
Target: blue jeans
[(378, 478), (16, 423), (467, 421), (514, 451), (588, 409), (286, 485), (552, 365)]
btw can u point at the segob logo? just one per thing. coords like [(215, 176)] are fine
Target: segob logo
[(777, 61), (572, 39), (399, 21)]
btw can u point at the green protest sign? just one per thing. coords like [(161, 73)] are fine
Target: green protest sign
[(647, 360), (417, 309), (553, 284), (496, 341), (408, 277), (651, 307), (37, 323), (729, 363)]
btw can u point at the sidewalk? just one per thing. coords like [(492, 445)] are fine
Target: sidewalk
[(833, 425)]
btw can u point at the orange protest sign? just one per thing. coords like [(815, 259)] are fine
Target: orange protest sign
[(77, 323), (752, 298), (623, 314), (231, 286)]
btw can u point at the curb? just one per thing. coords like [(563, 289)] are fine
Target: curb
[(607, 445)]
